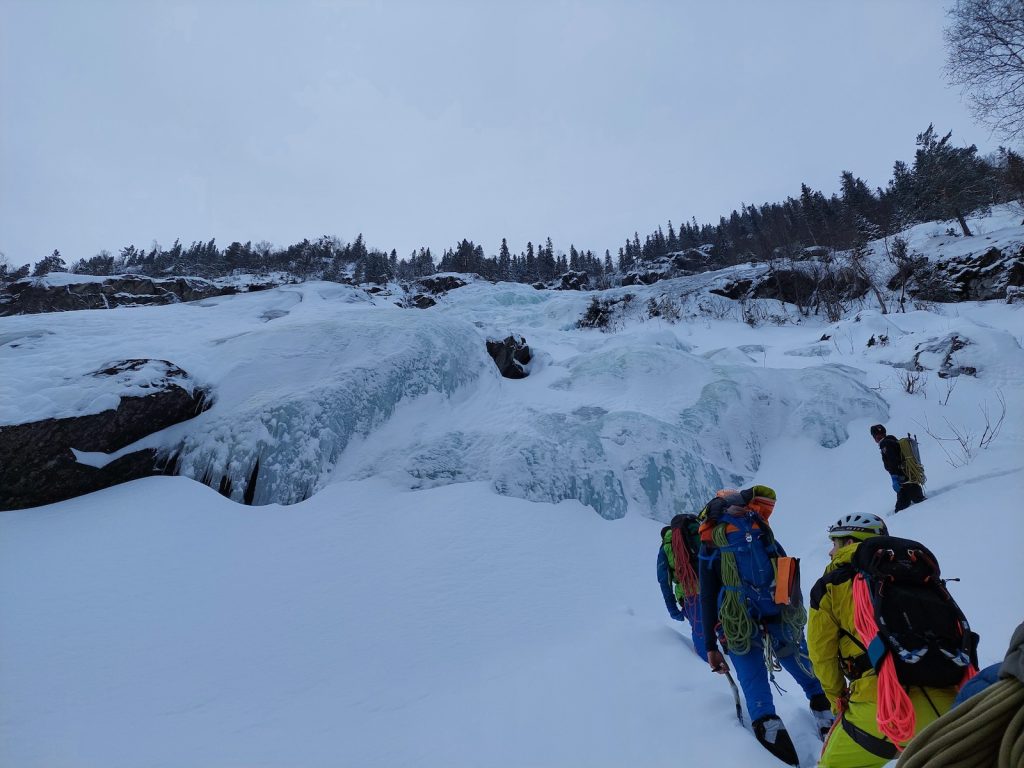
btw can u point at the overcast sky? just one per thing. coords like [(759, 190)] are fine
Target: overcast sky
[(420, 123)]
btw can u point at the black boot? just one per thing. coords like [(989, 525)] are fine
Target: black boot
[(775, 738)]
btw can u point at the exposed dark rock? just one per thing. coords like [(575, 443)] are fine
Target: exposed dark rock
[(37, 465), (735, 289), (649, 277), (815, 253), (692, 260), (675, 264), (946, 348), (32, 296), (419, 301), (790, 285), (573, 281), (510, 355), (440, 284), (986, 276)]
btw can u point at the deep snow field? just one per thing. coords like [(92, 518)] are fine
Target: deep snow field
[(447, 568)]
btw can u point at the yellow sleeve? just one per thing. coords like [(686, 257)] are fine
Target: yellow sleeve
[(823, 648)]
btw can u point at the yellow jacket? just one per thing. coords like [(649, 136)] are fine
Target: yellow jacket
[(830, 627)]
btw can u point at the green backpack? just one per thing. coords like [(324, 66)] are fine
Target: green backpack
[(912, 466)]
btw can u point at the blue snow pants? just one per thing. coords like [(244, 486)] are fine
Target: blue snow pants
[(752, 674), (691, 608)]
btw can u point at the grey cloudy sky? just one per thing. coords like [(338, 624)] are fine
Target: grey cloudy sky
[(420, 123)]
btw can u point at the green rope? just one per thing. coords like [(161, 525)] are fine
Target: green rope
[(736, 622), (986, 730), (737, 625)]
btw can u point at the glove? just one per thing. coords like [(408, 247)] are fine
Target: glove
[(717, 662)]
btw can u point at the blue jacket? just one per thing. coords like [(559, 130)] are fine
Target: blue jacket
[(665, 582), (978, 683)]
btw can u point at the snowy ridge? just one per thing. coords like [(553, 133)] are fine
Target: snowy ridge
[(296, 373)]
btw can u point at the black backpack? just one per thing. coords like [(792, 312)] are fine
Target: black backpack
[(919, 622)]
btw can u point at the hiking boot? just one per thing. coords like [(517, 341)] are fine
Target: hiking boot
[(823, 717), (774, 737)]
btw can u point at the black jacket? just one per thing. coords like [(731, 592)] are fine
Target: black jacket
[(892, 457)]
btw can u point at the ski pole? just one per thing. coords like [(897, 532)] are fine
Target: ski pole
[(736, 696)]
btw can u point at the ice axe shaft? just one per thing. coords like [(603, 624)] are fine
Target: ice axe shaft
[(736, 696)]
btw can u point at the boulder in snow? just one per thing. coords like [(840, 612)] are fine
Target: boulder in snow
[(45, 461), (510, 354), (440, 283), (573, 281)]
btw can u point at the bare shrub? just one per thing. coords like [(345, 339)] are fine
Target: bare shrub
[(991, 430), (961, 443), (950, 386), (958, 446), (716, 307), (913, 382)]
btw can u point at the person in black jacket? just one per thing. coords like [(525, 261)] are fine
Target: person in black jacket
[(907, 493)]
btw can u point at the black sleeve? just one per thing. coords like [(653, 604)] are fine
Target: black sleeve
[(710, 586), (892, 457)]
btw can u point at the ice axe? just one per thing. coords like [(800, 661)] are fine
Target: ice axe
[(735, 695)]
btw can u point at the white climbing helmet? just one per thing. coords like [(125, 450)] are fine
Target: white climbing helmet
[(859, 525)]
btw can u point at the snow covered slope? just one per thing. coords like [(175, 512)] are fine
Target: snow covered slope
[(297, 374), (448, 568)]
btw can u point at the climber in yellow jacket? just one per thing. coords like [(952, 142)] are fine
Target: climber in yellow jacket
[(841, 661)]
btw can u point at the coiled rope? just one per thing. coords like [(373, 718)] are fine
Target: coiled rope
[(686, 577), (895, 712), (737, 625), (986, 731)]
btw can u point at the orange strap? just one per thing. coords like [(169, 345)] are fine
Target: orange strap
[(785, 579)]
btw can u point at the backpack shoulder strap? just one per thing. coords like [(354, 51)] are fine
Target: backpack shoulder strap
[(843, 573)]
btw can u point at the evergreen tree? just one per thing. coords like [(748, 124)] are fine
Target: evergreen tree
[(546, 265), (626, 261), (504, 262), (530, 263), (673, 242), (52, 263), (949, 182)]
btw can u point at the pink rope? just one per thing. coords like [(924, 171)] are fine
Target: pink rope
[(685, 574), (895, 713)]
